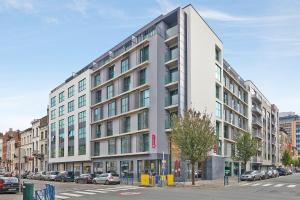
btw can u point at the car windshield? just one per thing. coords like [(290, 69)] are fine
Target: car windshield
[(249, 172), (54, 173), (84, 175), (10, 180)]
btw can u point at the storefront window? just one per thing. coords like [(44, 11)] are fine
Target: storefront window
[(111, 166), (227, 168), (147, 167), (99, 168), (126, 169)]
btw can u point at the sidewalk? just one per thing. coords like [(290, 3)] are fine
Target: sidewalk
[(209, 183)]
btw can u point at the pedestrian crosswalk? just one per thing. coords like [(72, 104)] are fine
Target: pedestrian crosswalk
[(275, 185), (84, 192)]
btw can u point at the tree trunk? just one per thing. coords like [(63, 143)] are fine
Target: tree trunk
[(193, 173)]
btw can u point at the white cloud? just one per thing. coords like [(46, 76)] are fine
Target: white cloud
[(80, 6), (112, 12), (21, 5), (164, 6), (51, 20), (221, 16)]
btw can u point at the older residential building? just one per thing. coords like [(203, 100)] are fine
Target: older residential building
[(11, 142), (26, 149), (285, 142), (1, 147), (291, 123), (43, 143)]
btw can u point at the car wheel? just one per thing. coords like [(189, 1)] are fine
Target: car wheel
[(94, 182)]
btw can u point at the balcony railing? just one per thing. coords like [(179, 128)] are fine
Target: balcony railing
[(171, 32), (171, 100), (256, 109), (171, 77), (257, 134), (171, 55), (256, 122), (257, 97)]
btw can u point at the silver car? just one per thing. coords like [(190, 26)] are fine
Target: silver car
[(107, 178), (251, 176)]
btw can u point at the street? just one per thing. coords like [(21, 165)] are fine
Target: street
[(287, 188)]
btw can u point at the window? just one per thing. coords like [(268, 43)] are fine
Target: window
[(125, 104), (82, 133), (97, 149), (82, 85), (53, 114), (53, 101), (112, 146), (126, 84), (218, 73), (81, 101), (218, 92), (61, 97), (111, 72), (124, 65), (218, 54), (143, 120), (71, 91), (61, 110), (71, 135), (110, 91), (71, 106), (142, 76), (109, 128), (125, 144), (126, 125), (98, 130), (61, 138), (98, 96), (144, 54), (144, 98), (112, 109), (98, 114), (97, 79), (218, 110), (143, 142), (218, 128), (53, 140), (82, 117)]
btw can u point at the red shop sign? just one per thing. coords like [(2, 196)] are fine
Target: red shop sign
[(153, 140)]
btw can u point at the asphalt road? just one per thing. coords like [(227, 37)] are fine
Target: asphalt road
[(282, 188)]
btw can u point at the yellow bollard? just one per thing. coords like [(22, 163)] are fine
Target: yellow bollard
[(145, 180), (170, 180)]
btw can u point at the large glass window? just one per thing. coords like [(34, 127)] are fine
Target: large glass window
[(142, 76), (71, 135), (52, 140), (144, 98), (111, 72), (110, 91), (71, 91), (143, 142), (61, 97), (124, 65), (112, 146), (144, 54), (218, 54), (109, 128), (98, 130), (97, 79), (82, 133), (126, 84), (97, 149), (125, 104), (112, 109), (81, 101), (143, 120), (126, 124), (53, 101), (53, 114), (61, 138), (218, 110), (98, 96), (218, 73), (218, 92), (71, 106), (98, 114), (125, 144), (61, 110), (82, 85)]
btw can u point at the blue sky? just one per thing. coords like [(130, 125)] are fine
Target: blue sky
[(43, 42)]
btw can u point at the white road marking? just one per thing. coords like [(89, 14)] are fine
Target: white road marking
[(97, 191), (81, 192), (266, 185), (71, 194), (256, 184), (291, 186), (245, 184), (61, 197), (279, 185)]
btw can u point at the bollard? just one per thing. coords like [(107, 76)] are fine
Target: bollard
[(226, 180), (28, 190)]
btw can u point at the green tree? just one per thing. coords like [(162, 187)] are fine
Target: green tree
[(245, 148), (194, 134), (286, 158)]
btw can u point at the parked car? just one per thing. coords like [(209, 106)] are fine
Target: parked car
[(198, 174), (39, 175), (275, 173), (282, 171), (107, 178), (9, 184), (297, 170), (65, 176), (85, 178), (251, 176), (24, 175), (289, 171), (263, 174), (269, 173), (50, 176)]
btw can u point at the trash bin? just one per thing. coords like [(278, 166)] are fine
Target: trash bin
[(28, 190), (157, 179)]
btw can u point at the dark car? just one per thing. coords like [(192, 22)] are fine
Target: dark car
[(9, 184), (25, 174), (65, 176), (198, 173), (85, 178), (282, 171), (297, 170)]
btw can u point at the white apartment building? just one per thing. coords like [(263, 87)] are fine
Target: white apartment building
[(69, 129), (26, 150)]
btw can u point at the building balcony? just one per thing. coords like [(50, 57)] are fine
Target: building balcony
[(171, 36), (35, 152), (171, 79), (257, 134), (256, 122), (256, 110), (171, 102), (257, 159), (257, 98), (168, 124), (171, 57)]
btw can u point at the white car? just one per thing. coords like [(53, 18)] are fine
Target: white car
[(107, 178)]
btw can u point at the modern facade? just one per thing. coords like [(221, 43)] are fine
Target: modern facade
[(265, 127), (69, 124), (114, 114), (291, 123), (26, 149)]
